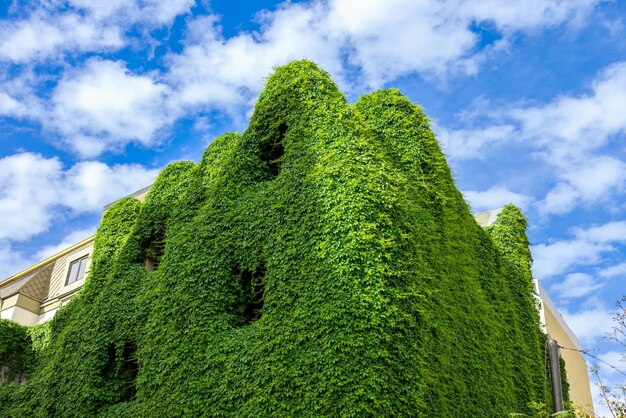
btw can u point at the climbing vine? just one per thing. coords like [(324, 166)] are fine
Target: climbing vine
[(321, 263)]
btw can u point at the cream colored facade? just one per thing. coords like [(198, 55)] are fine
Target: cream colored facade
[(33, 295), (575, 364), (555, 326)]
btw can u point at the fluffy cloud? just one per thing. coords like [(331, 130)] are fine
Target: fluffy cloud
[(28, 184), (609, 232), (570, 130), (473, 143), (89, 185), (228, 73), (9, 106), (511, 16), (495, 197), (576, 285), (103, 106), (567, 134), (42, 36), (593, 180), (559, 257), (588, 247), (147, 12), (33, 189), (571, 126), (58, 27), (614, 271), (615, 359), (589, 324), (399, 37), (565, 129), (393, 38), (380, 40)]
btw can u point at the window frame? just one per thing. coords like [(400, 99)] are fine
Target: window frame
[(79, 260)]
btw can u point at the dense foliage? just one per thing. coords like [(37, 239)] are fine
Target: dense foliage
[(322, 263), (15, 351)]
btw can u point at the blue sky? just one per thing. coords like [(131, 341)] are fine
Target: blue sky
[(527, 98)]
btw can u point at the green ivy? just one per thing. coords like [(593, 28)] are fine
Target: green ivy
[(15, 350), (564, 381), (322, 263)]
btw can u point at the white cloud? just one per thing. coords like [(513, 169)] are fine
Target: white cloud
[(393, 38), (228, 73), (36, 191), (495, 197), (382, 39), (576, 285), (615, 359), (589, 324), (566, 135), (586, 248), (614, 271), (569, 130), (90, 185), (9, 106), (569, 127), (594, 180), (563, 198), (58, 27), (42, 36), (34, 188), (511, 16), (69, 240), (609, 232), (28, 187), (473, 143), (149, 12), (558, 257), (103, 106)]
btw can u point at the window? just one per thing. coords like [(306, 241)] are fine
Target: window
[(252, 293), (273, 151), (77, 270)]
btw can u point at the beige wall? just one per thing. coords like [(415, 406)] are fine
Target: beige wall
[(555, 326), (575, 364), (58, 288), (41, 305), (21, 309), (49, 291)]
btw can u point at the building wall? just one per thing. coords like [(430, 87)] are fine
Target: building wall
[(553, 324), (39, 296), (58, 288), (575, 364)]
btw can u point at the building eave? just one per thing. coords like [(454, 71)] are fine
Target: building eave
[(48, 260)]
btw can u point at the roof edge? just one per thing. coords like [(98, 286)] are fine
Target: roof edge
[(48, 260)]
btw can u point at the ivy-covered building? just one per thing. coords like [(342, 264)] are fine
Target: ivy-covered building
[(322, 263)]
